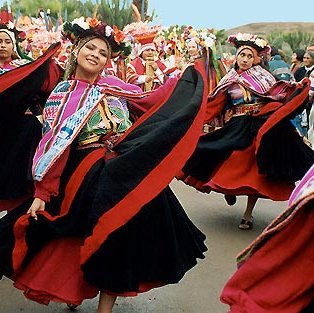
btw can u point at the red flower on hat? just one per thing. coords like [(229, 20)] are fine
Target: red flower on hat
[(93, 22), (119, 35)]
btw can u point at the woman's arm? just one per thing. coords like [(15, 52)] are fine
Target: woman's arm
[(48, 186)]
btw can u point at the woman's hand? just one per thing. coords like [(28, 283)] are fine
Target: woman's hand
[(37, 205)]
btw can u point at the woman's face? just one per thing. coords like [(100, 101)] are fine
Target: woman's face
[(294, 58), (91, 59), (192, 48), (308, 60), (6, 47), (245, 59)]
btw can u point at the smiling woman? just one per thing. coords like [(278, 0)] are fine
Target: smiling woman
[(91, 59), (102, 205)]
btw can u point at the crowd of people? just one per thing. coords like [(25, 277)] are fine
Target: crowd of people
[(96, 122)]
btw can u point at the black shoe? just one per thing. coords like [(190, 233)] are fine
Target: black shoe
[(230, 199), (72, 307), (245, 224)]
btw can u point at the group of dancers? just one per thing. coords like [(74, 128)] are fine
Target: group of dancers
[(85, 180)]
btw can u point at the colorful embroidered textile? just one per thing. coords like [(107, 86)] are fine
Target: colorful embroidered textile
[(13, 65), (73, 111), (111, 115), (67, 109), (257, 80), (304, 187)]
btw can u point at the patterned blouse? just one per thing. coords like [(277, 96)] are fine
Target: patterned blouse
[(110, 116)]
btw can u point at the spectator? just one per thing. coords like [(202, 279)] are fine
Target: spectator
[(296, 60), (278, 67)]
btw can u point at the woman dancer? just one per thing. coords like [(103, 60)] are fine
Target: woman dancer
[(102, 207), (256, 150)]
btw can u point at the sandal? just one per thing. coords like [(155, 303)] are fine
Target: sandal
[(230, 199), (72, 307), (245, 224)]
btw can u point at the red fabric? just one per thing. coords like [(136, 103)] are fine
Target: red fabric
[(284, 111), (215, 106), (78, 177), (47, 279), (39, 289), (49, 186), (239, 175), (154, 99), (53, 77), (20, 247), (142, 105), (10, 78), (8, 205), (278, 277)]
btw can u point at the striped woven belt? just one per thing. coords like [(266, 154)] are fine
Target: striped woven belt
[(245, 109), (107, 141)]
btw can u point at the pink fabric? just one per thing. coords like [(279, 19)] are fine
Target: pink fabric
[(303, 187)]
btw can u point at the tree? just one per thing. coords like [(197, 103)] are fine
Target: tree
[(114, 12), (65, 8)]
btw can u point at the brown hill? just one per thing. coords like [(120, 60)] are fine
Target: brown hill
[(264, 29)]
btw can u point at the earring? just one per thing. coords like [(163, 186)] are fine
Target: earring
[(75, 52)]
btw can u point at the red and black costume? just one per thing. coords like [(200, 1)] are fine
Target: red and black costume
[(114, 224), (256, 150), (23, 89)]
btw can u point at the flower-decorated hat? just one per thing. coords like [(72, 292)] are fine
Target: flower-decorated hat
[(245, 39), (257, 45), (146, 41), (79, 29), (204, 38), (143, 35)]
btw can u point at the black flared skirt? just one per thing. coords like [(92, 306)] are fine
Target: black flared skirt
[(20, 137), (282, 154), (157, 246)]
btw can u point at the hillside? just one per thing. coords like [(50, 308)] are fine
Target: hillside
[(263, 29)]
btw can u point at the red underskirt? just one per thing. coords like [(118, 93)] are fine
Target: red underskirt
[(55, 274), (239, 175)]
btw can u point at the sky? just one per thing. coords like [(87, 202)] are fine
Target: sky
[(225, 14)]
